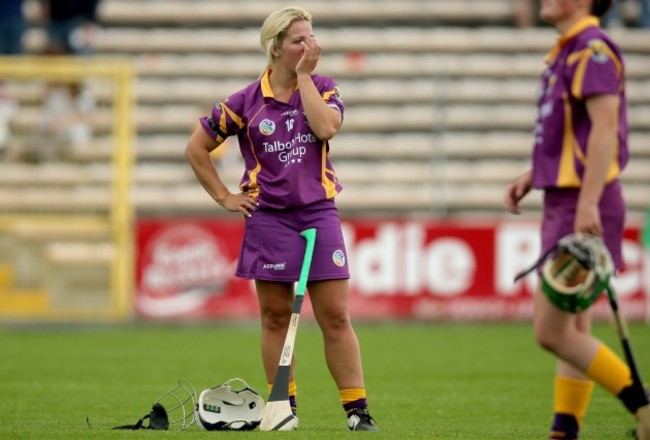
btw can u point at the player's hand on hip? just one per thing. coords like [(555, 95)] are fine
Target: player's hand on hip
[(240, 202)]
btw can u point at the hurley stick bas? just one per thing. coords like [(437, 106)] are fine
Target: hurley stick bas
[(277, 414), (624, 337), (637, 389)]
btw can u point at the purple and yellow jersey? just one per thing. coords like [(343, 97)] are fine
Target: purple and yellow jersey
[(285, 163), (584, 63)]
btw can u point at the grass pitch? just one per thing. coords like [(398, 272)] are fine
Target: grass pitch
[(425, 381)]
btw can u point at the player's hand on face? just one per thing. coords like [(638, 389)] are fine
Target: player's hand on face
[(240, 202), (310, 55)]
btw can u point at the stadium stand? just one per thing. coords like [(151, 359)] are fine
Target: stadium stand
[(440, 104)]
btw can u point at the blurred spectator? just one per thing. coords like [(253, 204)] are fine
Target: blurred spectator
[(71, 25), (12, 26), (8, 109), (66, 121), (616, 16)]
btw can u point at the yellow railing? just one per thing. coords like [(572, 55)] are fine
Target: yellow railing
[(119, 218)]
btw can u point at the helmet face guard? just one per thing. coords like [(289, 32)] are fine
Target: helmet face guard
[(223, 408), (576, 271)]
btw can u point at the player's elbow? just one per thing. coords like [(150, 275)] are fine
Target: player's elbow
[(189, 152), (326, 133), (194, 153), (198, 146), (327, 129)]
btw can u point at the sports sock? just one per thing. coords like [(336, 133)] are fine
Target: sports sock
[(565, 427), (608, 370), (352, 398), (293, 392), (571, 399)]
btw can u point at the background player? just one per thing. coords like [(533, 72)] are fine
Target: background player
[(580, 148)]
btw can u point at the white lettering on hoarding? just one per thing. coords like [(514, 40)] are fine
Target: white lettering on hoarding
[(376, 261), (398, 261), (184, 256), (517, 247), (629, 282), (412, 261), (390, 262), (450, 268)]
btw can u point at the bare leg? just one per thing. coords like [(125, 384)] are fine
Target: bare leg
[(566, 335), (564, 369), (342, 354), (276, 301)]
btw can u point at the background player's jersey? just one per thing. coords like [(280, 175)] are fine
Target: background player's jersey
[(285, 163), (584, 63)]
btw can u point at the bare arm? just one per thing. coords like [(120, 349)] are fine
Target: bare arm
[(517, 190), (323, 120), (603, 111), (197, 153)]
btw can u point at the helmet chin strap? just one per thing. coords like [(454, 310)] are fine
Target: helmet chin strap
[(158, 420), (525, 272)]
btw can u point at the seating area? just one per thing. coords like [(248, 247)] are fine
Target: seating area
[(440, 103)]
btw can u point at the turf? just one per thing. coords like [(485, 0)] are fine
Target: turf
[(425, 381)]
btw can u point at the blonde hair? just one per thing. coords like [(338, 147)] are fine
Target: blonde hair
[(274, 28)]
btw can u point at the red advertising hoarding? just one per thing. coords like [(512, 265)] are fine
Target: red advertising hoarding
[(401, 269)]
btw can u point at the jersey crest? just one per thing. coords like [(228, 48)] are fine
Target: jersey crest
[(598, 50)]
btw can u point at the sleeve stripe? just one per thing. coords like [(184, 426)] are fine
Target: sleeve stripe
[(582, 57), (234, 116)]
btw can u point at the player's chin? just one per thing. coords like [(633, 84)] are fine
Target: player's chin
[(547, 15), (545, 10)]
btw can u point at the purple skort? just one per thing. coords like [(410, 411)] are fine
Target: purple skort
[(273, 249), (559, 216)]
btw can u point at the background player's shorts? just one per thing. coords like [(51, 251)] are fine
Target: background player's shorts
[(559, 216), (273, 249)]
